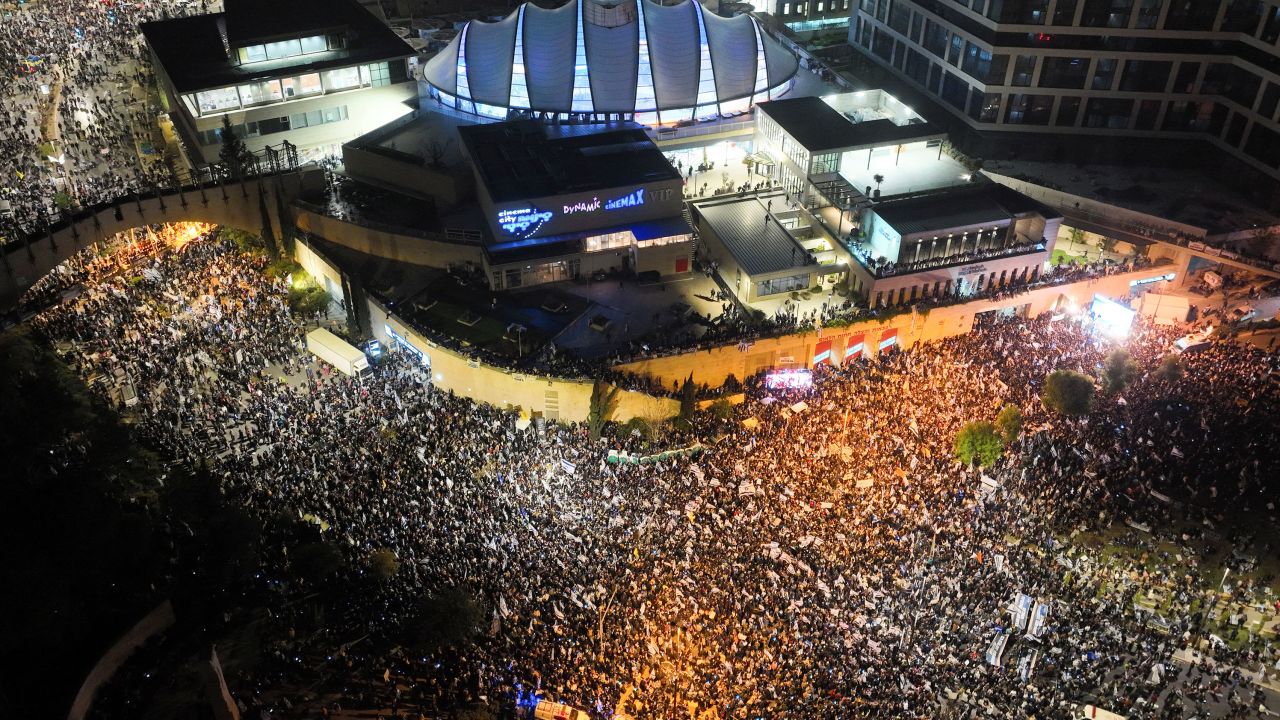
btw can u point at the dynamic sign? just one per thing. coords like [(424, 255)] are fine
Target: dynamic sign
[(525, 222)]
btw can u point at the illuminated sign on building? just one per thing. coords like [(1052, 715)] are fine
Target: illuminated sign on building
[(526, 221), (523, 221), (633, 199)]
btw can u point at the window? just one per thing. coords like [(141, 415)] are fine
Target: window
[(1264, 145), (211, 101), (252, 53), (1148, 13), (957, 48), (283, 49), (1068, 111), (977, 61), (302, 86), (258, 93), (1064, 13), (1242, 16), (1026, 12), (375, 75), (1187, 116), (1106, 13), (1185, 81), (1064, 72), (1029, 109), (341, 79), (935, 38), (1145, 75), (314, 44), (984, 107), (955, 91), (1108, 113), (1235, 129), (1270, 97), (1190, 15), (1232, 82), (1023, 68), (825, 163), (1104, 74), (899, 17), (1148, 111), (999, 68)]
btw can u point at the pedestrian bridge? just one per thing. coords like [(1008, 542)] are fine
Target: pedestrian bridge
[(251, 204)]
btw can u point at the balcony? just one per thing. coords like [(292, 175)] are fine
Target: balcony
[(881, 268)]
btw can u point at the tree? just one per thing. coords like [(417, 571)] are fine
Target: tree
[(1170, 369), (604, 401), (1118, 372), (315, 561), (448, 617), (722, 409), (235, 155), (383, 564), (979, 442), (688, 399), (1009, 423), (1068, 392), (308, 299), (268, 233)]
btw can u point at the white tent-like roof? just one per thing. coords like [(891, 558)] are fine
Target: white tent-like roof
[(655, 64)]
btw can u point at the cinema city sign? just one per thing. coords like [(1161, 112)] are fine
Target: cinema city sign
[(526, 221)]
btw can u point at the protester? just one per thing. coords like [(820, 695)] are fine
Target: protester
[(834, 562)]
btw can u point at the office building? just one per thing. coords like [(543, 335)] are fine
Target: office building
[(1177, 69), (313, 72), (591, 61)]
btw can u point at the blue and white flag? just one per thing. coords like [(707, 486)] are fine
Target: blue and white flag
[(568, 466)]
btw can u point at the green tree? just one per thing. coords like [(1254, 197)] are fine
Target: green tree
[(979, 442), (1170, 369), (1068, 392), (448, 617), (383, 564), (640, 426), (234, 155), (604, 402), (1009, 423), (1118, 371)]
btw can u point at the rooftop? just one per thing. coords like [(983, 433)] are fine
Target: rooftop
[(526, 159), (193, 55), (818, 126), (981, 203), (758, 243), (1179, 194)]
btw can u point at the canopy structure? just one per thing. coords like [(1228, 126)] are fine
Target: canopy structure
[(591, 62)]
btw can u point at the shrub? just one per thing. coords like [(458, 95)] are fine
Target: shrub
[(1118, 371)]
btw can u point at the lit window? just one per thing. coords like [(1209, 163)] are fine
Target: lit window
[(283, 49), (342, 78)]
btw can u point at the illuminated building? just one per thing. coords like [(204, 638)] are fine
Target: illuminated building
[(313, 72), (566, 203), (957, 241), (588, 61)]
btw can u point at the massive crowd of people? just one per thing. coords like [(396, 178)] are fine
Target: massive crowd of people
[(833, 561), (84, 65)]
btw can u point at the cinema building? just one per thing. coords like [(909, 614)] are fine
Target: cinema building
[(591, 61), (563, 203)]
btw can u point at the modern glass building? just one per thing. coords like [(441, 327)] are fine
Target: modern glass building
[(1178, 69), (632, 60)]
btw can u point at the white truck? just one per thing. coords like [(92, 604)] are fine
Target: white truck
[(558, 711), (347, 358)]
